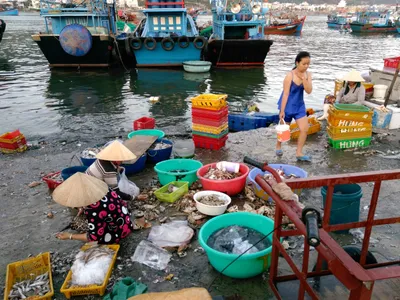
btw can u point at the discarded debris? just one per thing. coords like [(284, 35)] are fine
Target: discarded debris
[(34, 183), (169, 277)]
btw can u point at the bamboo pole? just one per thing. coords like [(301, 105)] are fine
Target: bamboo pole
[(396, 73)]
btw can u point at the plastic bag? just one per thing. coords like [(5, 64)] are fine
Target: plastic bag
[(173, 234), (126, 186)]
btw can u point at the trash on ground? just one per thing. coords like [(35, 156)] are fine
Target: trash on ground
[(358, 234), (34, 183), (91, 266), (30, 288), (237, 239), (151, 255), (173, 234)]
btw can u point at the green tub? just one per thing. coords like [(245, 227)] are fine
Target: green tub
[(166, 175), (248, 265), (154, 132)]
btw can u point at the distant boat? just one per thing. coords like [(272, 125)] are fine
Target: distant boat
[(2, 28), (8, 11), (336, 21), (292, 27), (373, 22)]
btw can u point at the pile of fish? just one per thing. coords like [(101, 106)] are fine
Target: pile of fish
[(216, 174), (90, 152), (91, 266), (281, 173), (212, 200), (172, 188), (39, 286), (160, 146)]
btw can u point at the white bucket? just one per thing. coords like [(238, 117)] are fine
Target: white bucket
[(379, 91), (283, 131)]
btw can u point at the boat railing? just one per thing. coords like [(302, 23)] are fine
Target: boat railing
[(84, 7), (165, 4)]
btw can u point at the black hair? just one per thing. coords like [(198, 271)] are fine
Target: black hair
[(300, 56), (347, 89)]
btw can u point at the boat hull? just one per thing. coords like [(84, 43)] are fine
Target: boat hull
[(2, 29), (11, 12), (100, 55), (299, 28), (335, 25), (237, 53), (368, 28), (159, 57), (281, 30)]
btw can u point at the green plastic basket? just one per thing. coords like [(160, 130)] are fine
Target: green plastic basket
[(350, 143), (154, 132), (162, 194), (352, 107), (167, 170), (210, 135)]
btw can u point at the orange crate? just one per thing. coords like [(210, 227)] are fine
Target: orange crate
[(350, 129), (343, 120), (210, 101), (90, 289), (29, 269), (348, 135), (315, 126), (209, 129)]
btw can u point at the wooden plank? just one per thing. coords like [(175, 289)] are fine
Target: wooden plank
[(139, 144)]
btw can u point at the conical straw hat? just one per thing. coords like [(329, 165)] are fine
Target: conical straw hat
[(354, 76), (80, 190), (116, 151)]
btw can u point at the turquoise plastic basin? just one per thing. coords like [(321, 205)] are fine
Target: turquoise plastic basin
[(248, 265), (166, 175), (155, 132)]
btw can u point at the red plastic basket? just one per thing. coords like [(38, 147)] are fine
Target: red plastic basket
[(210, 122), (52, 184), (144, 123), (210, 114), (12, 140), (230, 187), (209, 143), (391, 62)]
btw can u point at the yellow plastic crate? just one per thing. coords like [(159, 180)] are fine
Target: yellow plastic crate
[(315, 126), (350, 129), (348, 135), (90, 289), (349, 118), (209, 129), (29, 269), (210, 101)]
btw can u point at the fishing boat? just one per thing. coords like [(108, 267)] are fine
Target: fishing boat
[(79, 35), (238, 34), (338, 21), (288, 27), (8, 10), (2, 28), (167, 36), (373, 22)]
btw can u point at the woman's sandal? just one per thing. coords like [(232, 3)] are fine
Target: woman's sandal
[(304, 158), (279, 152)]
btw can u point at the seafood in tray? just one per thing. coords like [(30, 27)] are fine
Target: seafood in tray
[(281, 173), (217, 174), (38, 286), (213, 200)]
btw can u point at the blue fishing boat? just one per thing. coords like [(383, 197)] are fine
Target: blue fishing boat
[(373, 22), (79, 35), (238, 34), (166, 37), (337, 21), (2, 28), (8, 10)]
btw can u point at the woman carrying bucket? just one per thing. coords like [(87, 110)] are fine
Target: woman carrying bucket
[(291, 105)]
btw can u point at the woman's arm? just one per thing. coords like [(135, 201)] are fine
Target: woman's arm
[(307, 83), (339, 95), (69, 236), (286, 90), (361, 95)]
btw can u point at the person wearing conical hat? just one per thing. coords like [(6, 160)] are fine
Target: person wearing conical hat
[(353, 92), (109, 219), (106, 166)]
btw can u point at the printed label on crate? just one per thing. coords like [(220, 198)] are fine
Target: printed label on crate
[(345, 123), (351, 144), (347, 130)]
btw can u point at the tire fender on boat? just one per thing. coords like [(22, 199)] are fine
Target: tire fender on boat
[(150, 43), (198, 40), (76, 40), (167, 43), (183, 41), (136, 43)]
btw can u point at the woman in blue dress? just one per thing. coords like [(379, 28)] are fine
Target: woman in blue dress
[(291, 103)]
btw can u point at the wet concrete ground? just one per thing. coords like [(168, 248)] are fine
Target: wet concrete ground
[(26, 230)]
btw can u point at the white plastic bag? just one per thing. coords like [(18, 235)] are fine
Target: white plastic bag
[(173, 234), (126, 186)]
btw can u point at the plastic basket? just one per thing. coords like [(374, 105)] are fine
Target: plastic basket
[(209, 143), (210, 101), (162, 194), (52, 184), (351, 108), (391, 62), (18, 150), (29, 269), (209, 129), (350, 143), (241, 122), (349, 129), (314, 127), (348, 135), (144, 123), (11, 142), (90, 289), (210, 114), (210, 135), (210, 122), (349, 118)]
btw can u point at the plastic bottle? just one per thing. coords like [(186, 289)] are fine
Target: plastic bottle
[(227, 166)]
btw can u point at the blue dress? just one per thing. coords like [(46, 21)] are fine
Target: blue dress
[(295, 107)]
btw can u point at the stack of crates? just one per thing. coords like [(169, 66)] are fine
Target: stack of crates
[(210, 121), (12, 142), (349, 126)]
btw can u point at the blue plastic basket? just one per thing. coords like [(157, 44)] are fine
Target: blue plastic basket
[(87, 161), (136, 167), (241, 122), (68, 172), (155, 156)]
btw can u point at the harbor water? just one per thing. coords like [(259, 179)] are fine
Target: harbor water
[(46, 103)]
